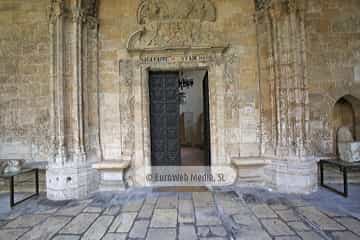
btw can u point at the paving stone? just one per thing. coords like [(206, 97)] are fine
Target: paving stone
[(26, 221), (80, 223), (213, 238), (247, 220), (207, 216), (279, 206), (98, 228), (114, 236), (132, 206), (298, 203), (164, 218), (47, 229), (71, 210), (287, 215), (276, 227), (252, 235), (167, 202), (146, 211), (123, 223), (218, 231), (93, 210), (185, 196), (351, 223), (187, 232), (66, 237), (139, 229), (320, 219), (151, 199), (298, 226), (263, 211), (310, 236), (112, 211), (203, 199), (204, 231), (12, 234), (288, 238), (345, 236), (186, 211), (161, 234)]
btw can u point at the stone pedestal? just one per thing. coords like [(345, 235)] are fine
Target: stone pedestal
[(112, 175), (70, 182), (250, 171), (292, 175)]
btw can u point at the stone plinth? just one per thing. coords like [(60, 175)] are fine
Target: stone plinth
[(250, 170), (112, 175)]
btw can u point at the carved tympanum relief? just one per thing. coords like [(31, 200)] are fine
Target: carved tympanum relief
[(175, 24)]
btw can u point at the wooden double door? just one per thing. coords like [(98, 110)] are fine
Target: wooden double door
[(165, 119)]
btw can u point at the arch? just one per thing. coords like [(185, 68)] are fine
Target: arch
[(346, 113)]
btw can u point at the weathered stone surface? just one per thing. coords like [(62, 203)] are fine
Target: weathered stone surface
[(207, 216), (139, 229), (80, 223), (310, 236), (123, 223), (167, 202), (186, 212), (47, 229), (164, 218), (66, 237), (187, 232), (351, 223), (114, 236), (203, 199), (26, 221), (345, 235), (93, 210), (320, 219), (12, 234), (146, 211), (132, 206), (263, 211), (276, 227), (98, 228), (113, 210), (161, 234), (287, 215), (298, 226)]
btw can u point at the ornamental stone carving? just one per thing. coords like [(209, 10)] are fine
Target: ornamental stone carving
[(163, 10)]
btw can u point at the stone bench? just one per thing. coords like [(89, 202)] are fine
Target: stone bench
[(112, 175), (250, 170)]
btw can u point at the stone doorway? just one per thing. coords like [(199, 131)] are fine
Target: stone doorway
[(179, 118)]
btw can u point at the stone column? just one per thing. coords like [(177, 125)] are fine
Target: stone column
[(292, 170), (69, 173)]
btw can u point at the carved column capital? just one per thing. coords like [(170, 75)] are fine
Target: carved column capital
[(56, 10), (78, 15)]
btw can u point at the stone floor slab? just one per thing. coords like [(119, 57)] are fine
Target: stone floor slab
[(203, 199), (351, 223), (186, 211), (207, 216), (167, 202), (26, 221), (320, 219), (345, 236), (132, 205), (187, 232), (164, 218), (310, 236), (66, 237), (123, 223), (114, 236), (263, 211), (80, 223), (146, 211), (161, 234), (276, 227), (287, 215), (139, 229), (112, 211), (298, 226), (12, 234), (98, 228), (47, 229)]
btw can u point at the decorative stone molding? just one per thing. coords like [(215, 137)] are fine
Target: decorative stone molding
[(164, 10)]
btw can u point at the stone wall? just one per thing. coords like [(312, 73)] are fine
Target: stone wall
[(24, 80), (333, 57)]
